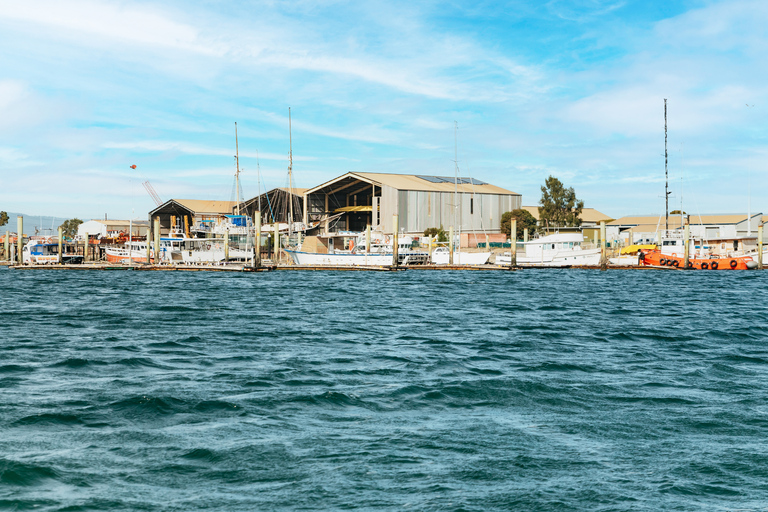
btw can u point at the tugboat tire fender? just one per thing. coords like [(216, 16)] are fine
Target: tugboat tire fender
[(663, 261), (704, 266), (733, 263), (714, 265)]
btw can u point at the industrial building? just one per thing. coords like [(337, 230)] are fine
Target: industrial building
[(188, 215), (356, 199)]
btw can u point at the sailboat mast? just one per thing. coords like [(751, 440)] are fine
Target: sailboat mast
[(456, 177), (290, 172), (237, 174), (666, 170)]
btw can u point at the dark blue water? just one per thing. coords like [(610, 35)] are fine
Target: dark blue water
[(419, 390)]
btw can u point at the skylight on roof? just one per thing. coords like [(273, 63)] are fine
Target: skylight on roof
[(445, 179)]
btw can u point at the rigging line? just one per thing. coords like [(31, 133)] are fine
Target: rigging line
[(269, 204)]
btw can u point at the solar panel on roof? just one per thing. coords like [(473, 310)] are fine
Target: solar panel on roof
[(447, 179)]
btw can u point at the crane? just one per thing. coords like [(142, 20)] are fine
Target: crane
[(151, 191)]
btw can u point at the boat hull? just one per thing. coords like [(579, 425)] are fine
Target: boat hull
[(657, 259), (356, 259), (461, 258)]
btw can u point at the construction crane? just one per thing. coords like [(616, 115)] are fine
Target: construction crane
[(151, 191)]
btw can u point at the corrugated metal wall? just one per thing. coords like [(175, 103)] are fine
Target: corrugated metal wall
[(421, 210)]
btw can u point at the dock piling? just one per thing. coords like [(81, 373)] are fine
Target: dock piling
[(226, 246), (157, 240), (687, 242), (760, 247), (61, 245), (395, 228), (276, 240), (367, 242), (6, 246), (257, 240), (513, 243), (450, 245), (19, 240), (603, 258)]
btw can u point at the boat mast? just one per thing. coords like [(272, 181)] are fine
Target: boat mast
[(666, 170), (455, 179), (237, 174), (290, 174)]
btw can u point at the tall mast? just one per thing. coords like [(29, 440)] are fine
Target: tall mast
[(456, 174), (290, 172), (237, 174), (666, 170)]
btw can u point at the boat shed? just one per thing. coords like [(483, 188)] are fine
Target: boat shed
[(355, 199), (187, 215), (275, 205)]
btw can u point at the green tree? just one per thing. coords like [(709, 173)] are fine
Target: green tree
[(524, 220), (559, 205), (3, 218), (69, 227), (442, 236)]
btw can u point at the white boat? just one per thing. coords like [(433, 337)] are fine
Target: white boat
[(134, 251), (558, 250), (380, 254), (46, 252), (441, 256)]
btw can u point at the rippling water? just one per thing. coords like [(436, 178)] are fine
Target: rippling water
[(425, 390)]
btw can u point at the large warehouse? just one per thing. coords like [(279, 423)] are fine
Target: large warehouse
[(355, 199)]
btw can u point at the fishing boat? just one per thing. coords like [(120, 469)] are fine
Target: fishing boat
[(441, 256), (556, 250), (357, 254), (657, 258), (45, 252), (132, 251)]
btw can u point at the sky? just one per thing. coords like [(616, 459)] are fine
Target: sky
[(520, 90)]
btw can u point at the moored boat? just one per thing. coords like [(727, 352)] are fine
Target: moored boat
[(656, 258), (557, 250)]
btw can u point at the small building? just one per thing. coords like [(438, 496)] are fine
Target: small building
[(356, 199), (191, 215), (98, 228), (590, 222)]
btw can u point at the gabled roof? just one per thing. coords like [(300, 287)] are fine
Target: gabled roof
[(420, 182), (199, 206), (587, 214), (674, 220)]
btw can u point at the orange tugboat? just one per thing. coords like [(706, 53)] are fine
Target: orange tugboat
[(655, 258)]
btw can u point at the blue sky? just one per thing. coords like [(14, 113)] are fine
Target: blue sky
[(574, 89)]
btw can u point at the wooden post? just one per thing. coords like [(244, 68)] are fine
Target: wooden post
[(226, 246), (19, 240), (395, 227), (487, 242), (149, 244), (367, 242), (658, 239), (306, 212), (603, 255), (7, 245), (156, 239), (431, 245), (760, 247), (276, 240), (186, 225), (513, 244), (687, 242), (450, 245), (173, 223), (257, 240), (525, 234), (61, 245)]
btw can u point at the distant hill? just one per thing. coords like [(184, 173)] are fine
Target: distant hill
[(34, 224)]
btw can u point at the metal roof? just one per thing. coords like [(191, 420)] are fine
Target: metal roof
[(200, 206), (420, 183), (587, 214), (674, 220)]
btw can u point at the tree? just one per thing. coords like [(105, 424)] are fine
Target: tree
[(69, 227), (3, 218), (559, 205), (442, 236), (524, 220)]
